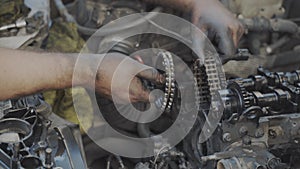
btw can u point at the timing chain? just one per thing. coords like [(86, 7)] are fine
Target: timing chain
[(207, 80), (170, 80), (206, 76)]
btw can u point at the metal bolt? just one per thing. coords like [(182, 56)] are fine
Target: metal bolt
[(297, 90), (243, 130), (273, 163), (42, 144), (227, 137), (48, 160), (247, 141), (259, 133), (272, 133)]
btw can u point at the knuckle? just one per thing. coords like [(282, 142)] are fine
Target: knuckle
[(234, 27), (242, 29), (231, 27)]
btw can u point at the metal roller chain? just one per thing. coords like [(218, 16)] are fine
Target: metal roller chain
[(170, 80)]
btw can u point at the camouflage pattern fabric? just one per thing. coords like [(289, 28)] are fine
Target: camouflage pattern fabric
[(63, 37), (11, 10)]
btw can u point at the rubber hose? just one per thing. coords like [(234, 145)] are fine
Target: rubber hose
[(274, 25)]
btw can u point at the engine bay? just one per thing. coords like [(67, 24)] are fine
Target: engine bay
[(247, 105)]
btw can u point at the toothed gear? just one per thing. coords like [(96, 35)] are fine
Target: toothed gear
[(170, 81), (246, 97)]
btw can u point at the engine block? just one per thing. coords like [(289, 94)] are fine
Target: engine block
[(33, 137), (261, 122)]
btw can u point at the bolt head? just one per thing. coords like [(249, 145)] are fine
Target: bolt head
[(247, 141), (259, 133), (227, 137), (243, 130)]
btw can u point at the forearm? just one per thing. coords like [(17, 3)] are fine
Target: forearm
[(23, 73), (183, 5)]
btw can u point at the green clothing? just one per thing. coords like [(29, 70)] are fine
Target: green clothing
[(63, 37), (11, 10)]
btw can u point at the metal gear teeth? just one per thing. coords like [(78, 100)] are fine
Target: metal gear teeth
[(170, 81), (245, 95)]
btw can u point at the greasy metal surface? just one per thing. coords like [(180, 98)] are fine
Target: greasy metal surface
[(73, 152), (265, 128), (29, 140)]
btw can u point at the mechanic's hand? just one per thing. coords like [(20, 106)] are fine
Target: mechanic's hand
[(123, 72), (213, 18)]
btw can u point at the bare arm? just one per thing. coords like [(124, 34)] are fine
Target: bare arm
[(183, 5), (23, 73)]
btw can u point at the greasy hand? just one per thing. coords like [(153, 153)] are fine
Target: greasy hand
[(213, 18), (123, 72)]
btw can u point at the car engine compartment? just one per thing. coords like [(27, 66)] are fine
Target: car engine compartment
[(258, 129)]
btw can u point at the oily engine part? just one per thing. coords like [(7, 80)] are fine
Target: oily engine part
[(30, 140), (260, 124)]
